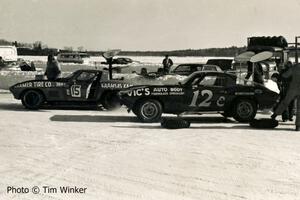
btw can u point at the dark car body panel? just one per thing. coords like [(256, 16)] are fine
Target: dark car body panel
[(192, 96), (80, 86)]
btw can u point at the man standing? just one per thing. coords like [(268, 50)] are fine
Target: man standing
[(288, 113), (2, 63), (257, 73), (167, 63), (53, 69), (293, 89)]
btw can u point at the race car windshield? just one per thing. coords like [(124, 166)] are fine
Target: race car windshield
[(186, 80)]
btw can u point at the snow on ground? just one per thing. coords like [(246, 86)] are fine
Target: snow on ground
[(116, 157)]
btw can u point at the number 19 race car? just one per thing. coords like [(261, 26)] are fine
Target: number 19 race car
[(199, 93), (83, 87)]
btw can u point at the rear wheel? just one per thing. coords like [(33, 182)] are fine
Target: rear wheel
[(244, 110), (149, 110), (111, 101), (32, 99)]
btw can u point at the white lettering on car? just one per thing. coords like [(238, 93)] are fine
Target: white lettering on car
[(139, 92), (206, 102), (221, 101)]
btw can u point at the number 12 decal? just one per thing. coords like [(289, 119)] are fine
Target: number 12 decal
[(206, 101)]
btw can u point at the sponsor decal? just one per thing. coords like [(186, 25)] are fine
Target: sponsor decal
[(139, 92), (244, 93), (115, 85), (157, 91), (40, 84)]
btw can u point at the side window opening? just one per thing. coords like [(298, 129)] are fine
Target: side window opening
[(183, 68), (86, 76), (213, 80)]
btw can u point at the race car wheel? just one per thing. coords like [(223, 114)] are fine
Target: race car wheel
[(149, 111), (244, 110), (175, 123), (111, 101), (32, 99)]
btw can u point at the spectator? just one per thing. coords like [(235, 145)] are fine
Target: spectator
[(256, 71), (167, 63), (288, 113), (144, 72), (292, 92), (2, 63), (53, 69)]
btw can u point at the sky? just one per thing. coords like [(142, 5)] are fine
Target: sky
[(147, 24)]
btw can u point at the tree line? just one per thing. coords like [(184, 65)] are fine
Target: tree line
[(38, 48)]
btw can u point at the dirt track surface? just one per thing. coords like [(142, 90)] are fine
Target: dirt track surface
[(115, 157)]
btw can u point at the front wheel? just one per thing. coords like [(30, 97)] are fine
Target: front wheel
[(32, 99), (244, 110), (149, 111)]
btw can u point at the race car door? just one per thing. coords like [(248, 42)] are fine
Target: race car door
[(209, 93), (79, 88)]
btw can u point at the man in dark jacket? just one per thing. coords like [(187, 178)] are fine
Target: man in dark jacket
[(285, 82), (53, 69), (2, 63), (293, 89), (167, 63)]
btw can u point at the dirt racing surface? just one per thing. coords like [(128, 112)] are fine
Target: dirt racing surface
[(110, 155)]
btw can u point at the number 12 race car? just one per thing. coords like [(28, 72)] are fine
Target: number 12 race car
[(83, 87), (200, 92)]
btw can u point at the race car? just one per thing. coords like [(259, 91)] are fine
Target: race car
[(188, 68), (201, 92), (82, 87)]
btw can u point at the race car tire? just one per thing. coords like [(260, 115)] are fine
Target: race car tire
[(175, 123), (32, 99), (244, 110), (111, 101), (149, 110), (264, 123)]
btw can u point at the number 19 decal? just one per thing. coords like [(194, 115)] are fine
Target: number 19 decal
[(206, 101)]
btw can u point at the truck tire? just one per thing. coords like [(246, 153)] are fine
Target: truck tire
[(32, 99), (110, 101), (264, 123), (244, 110), (175, 123), (149, 110)]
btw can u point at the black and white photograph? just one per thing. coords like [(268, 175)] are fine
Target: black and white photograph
[(149, 100)]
